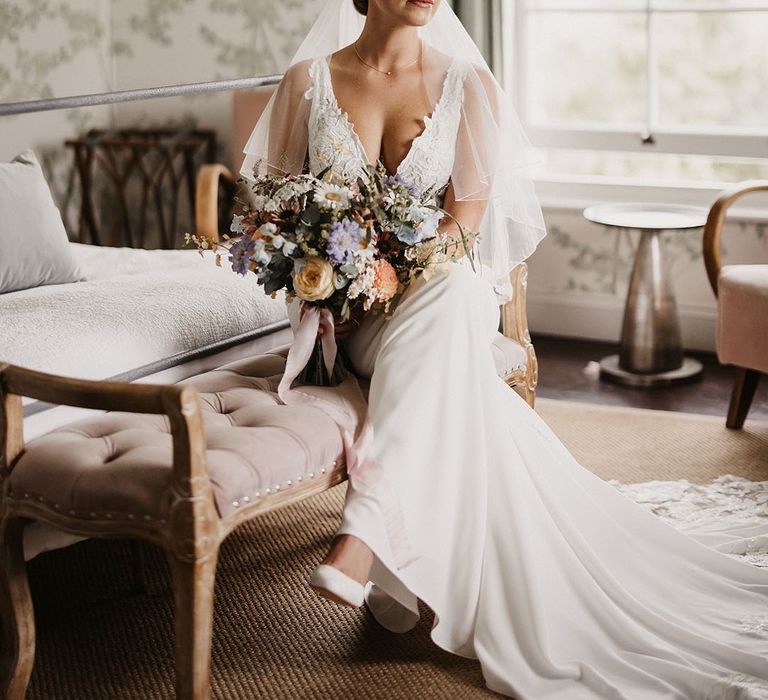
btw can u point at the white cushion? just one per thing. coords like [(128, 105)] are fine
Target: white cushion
[(34, 249)]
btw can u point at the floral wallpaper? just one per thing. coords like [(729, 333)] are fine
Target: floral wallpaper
[(66, 47), (52, 48)]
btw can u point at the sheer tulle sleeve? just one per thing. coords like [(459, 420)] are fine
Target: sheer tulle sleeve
[(495, 162), (278, 143)]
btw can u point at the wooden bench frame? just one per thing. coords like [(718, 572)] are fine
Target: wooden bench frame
[(190, 530)]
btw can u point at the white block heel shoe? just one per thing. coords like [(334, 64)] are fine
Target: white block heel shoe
[(334, 585), (388, 612)]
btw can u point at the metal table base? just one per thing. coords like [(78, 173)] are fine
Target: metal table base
[(611, 371), (651, 349)]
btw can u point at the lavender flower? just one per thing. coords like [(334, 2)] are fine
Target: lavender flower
[(246, 250), (240, 254), (396, 179), (343, 240)]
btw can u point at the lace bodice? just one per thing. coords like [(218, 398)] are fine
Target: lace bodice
[(334, 142)]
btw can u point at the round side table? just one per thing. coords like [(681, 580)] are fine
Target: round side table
[(651, 351)]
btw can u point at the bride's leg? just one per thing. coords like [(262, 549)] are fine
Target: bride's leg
[(348, 553), (454, 294)]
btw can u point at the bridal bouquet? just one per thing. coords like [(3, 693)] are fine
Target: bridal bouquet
[(335, 246)]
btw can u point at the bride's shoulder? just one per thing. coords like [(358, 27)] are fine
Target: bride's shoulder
[(477, 78), (463, 66), (298, 76)]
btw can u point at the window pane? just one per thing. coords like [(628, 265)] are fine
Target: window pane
[(586, 67), (707, 4), (713, 68), (650, 167)]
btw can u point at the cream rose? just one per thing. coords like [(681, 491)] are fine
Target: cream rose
[(315, 280)]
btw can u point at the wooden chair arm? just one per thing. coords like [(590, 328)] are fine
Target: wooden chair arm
[(714, 226), (179, 403), (207, 199), (514, 319), (514, 323)]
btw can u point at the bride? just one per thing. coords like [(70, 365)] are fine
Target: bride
[(558, 584)]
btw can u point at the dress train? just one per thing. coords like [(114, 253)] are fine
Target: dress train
[(559, 584)]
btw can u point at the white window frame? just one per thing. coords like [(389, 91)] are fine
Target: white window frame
[(572, 192)]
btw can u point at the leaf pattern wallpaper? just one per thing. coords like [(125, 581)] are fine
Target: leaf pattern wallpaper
[(65, 47)]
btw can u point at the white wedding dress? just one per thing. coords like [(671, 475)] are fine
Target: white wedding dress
[(561, 586)]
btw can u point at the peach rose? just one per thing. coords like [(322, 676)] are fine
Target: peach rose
[(385, 280), (315, 280)]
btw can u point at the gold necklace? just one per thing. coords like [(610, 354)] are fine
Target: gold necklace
[(378, 70)]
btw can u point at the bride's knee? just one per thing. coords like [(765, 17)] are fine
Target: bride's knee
[(466, 293), (459, 283)]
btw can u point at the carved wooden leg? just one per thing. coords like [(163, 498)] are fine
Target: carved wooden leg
[(741, 398), (193, 584), (528, 394), (18, 618)]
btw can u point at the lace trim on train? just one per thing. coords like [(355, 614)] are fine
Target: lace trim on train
[(726, 498), (683, 504), (737, 687)]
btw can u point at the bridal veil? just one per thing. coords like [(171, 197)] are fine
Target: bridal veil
[(494, 159)]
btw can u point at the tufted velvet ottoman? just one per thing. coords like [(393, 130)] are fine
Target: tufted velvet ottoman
[(179, 465)]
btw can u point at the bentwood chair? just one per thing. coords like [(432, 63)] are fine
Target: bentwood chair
[(742, 300)]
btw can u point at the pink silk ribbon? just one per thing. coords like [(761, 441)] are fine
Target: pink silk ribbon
[(365, 474)]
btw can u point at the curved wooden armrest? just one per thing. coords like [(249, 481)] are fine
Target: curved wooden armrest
[(207, 199), (714, 226), (180, 403), (514, 319), (514, 325)]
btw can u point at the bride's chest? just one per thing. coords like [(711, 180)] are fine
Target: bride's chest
[(385, 119), (423, 147)]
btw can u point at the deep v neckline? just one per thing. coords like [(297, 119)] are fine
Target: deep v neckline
[(427, 119)]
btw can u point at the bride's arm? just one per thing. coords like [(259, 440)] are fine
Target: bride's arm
[(288, 127), (278, 143), (469, 214), (466, 197)]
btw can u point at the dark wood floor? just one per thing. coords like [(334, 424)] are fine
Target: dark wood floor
[(567, 370)]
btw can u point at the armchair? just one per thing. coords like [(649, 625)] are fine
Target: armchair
[(742, 299)]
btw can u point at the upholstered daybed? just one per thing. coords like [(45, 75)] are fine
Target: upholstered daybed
[(148, 315)]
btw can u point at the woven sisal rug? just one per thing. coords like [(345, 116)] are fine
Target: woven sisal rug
[(273, 638)]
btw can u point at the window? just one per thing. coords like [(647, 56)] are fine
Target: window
[(641, 91)]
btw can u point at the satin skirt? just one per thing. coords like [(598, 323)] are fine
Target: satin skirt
[(558, 584)]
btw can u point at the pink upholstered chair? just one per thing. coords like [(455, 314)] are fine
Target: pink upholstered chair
[(742, 299)]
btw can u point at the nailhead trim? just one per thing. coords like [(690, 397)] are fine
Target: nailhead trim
[(147, 518), (276, 488), (107, 515)]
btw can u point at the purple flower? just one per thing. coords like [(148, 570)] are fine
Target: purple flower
[(343, 240), (396, 179), (240, 253)]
